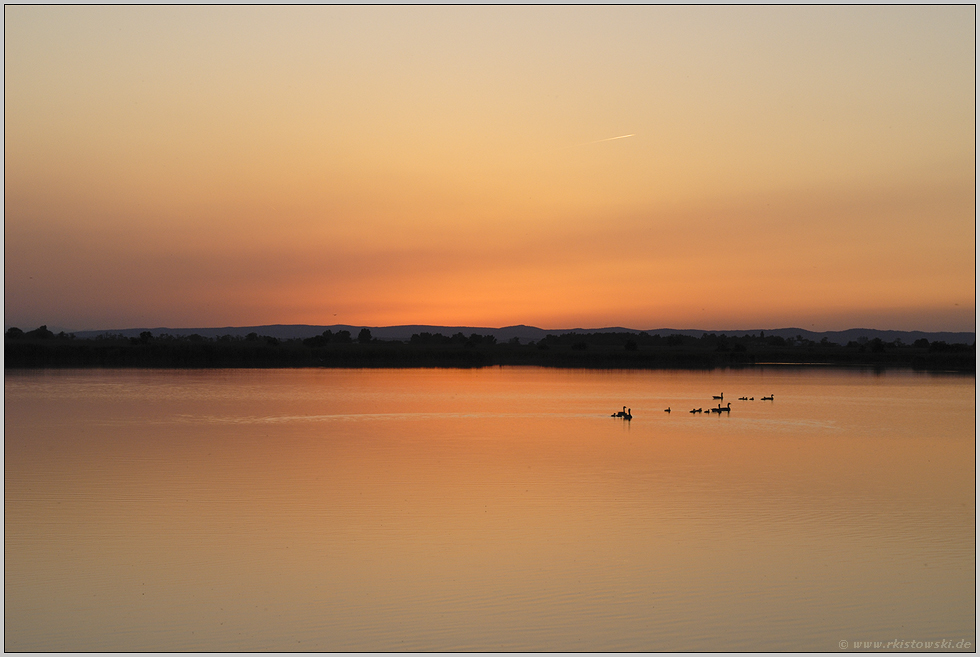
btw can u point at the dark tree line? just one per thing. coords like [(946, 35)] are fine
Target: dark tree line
[(458, 339), (42, 348)]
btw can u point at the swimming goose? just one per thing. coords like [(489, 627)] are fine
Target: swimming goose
[(619, 414), (721, 396)]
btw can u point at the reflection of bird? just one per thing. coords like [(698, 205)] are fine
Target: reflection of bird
[(721, 396)]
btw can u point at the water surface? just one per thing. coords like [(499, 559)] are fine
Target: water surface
[(490, 509)]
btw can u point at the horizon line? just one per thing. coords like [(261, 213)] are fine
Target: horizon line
[(512, 326)]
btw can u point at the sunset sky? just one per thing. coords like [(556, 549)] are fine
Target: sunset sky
[(806, 167)]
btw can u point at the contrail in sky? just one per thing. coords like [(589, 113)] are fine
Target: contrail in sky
[(602, 140), (609, 139)]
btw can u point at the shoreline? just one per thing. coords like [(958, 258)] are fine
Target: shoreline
[(573, 351)]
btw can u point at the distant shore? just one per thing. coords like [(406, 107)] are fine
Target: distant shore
[(43, 349)]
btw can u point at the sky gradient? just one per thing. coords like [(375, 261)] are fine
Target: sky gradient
[(217, 166)]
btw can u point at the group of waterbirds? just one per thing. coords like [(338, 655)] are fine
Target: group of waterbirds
[(627, 413), (728, 409), (719, 409)]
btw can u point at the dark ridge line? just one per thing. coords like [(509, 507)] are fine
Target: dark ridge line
[(527, 333)]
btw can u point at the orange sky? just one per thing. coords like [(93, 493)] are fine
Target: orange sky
[(215, 166)]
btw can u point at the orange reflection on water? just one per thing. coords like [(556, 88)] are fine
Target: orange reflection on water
[(484, 509)]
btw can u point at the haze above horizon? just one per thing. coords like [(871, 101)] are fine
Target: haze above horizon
[(490, 166)]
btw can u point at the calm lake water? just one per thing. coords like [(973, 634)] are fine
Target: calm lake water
[(488, 509)]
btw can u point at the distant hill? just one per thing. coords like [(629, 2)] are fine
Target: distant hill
[(527, 333)]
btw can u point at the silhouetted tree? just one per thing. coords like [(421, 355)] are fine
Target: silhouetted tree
[(315, 341), (364, 336), (41, 332), (13, 333)]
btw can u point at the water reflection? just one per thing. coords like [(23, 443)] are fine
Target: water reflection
[(497, 509)]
